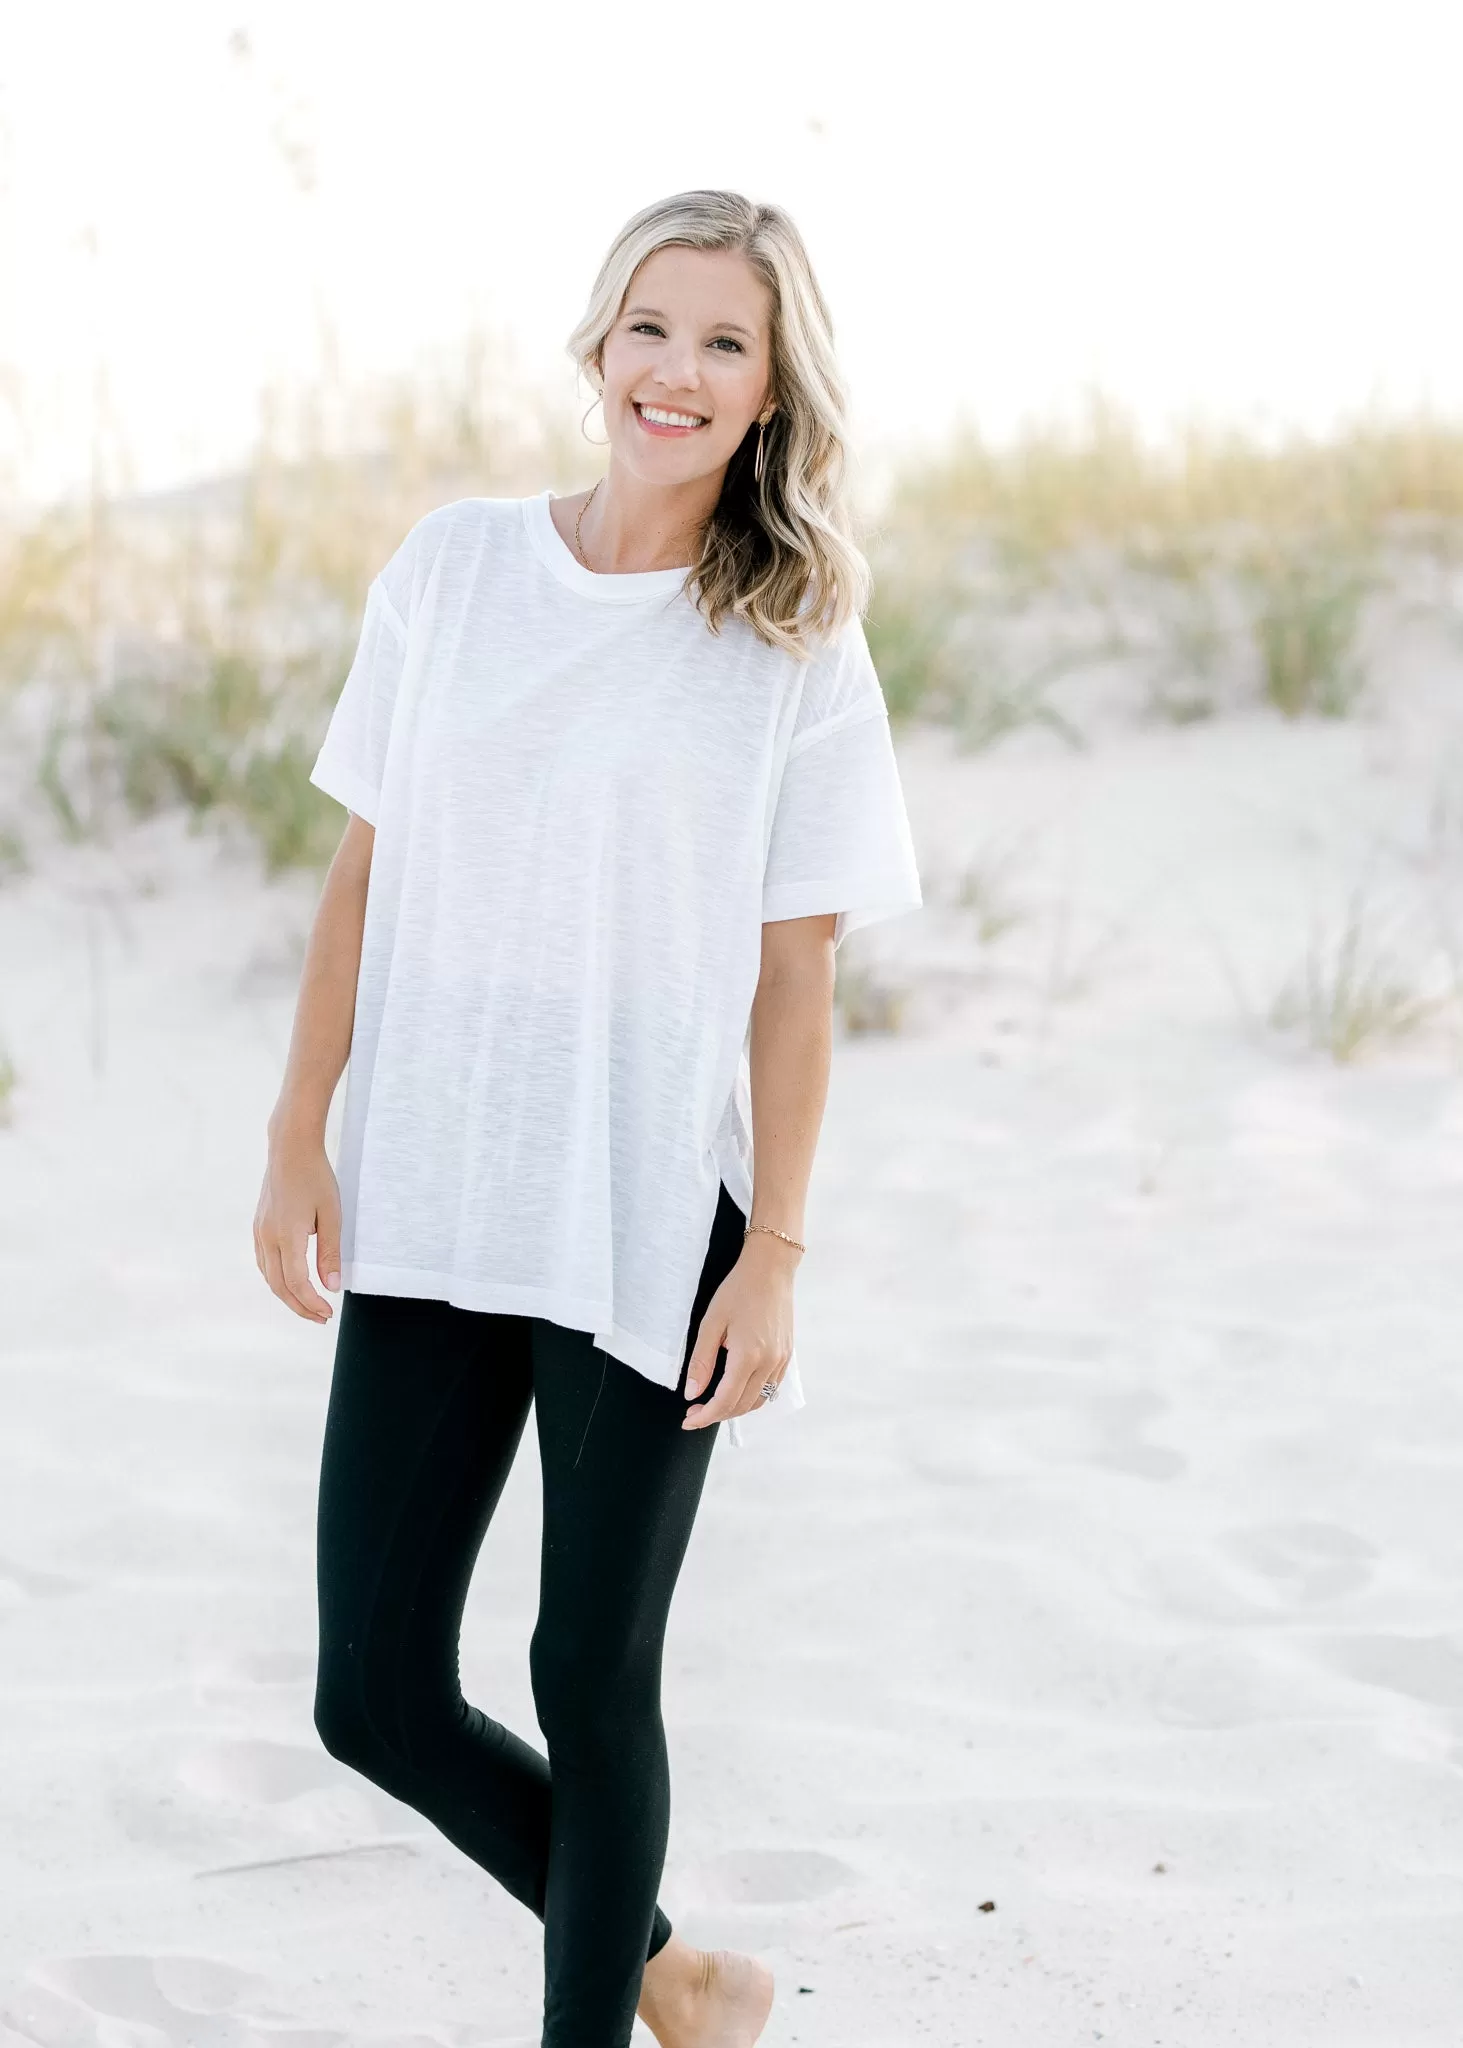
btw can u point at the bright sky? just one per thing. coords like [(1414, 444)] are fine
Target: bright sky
[(1250, 208)]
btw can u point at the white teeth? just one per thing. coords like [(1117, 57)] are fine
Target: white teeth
[(671, 419)]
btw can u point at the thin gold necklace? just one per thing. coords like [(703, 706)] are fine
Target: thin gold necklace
[(578, 544)]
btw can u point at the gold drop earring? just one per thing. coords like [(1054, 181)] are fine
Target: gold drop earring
[(598, 399), (761, 450)]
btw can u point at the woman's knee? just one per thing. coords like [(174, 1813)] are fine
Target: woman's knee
[(357, 1730), (345, 1726), (387, 1731), (593, 1699)]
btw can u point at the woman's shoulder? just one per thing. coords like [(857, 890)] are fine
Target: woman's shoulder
[(463, 518), (453, 532)]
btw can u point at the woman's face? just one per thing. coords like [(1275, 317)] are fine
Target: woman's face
[(687, 365)]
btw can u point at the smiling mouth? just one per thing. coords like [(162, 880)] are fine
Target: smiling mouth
[(661, 419)]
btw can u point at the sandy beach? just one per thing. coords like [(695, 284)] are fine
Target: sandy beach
[(1083, 1663)]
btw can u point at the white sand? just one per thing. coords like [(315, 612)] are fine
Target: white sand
[(1113, 1573)]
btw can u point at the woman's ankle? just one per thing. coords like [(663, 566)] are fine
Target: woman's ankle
[(674, 1978)]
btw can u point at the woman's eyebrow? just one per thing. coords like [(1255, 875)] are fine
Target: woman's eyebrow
[(721, 326)]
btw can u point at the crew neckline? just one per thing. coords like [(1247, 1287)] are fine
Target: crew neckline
[(556, 555)]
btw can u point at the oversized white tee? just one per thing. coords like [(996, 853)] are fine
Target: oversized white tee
[(586, 805)]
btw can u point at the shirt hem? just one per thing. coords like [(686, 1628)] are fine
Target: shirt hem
[(502, 1297), (854, 906), (364, 1276), (806, 899), (347, 787)]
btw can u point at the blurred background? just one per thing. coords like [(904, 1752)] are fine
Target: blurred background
[(1085, 1661)]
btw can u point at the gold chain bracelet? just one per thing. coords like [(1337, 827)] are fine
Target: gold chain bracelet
[(772, 1231)]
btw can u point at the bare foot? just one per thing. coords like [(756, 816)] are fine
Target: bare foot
[(704, 1998)]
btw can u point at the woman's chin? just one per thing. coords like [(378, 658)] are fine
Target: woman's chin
[(666, 462)]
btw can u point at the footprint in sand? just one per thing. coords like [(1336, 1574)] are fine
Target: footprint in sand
[(131, 2001), (23, 1582), (770, 1877), (1304, 1563), (1227, 1683), (1427, 1668), (1258, 1574), (1121, 1420)]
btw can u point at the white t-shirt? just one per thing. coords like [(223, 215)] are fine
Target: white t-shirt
[(586, 805)]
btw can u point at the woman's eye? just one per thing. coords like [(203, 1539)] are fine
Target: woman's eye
[(653, 327)]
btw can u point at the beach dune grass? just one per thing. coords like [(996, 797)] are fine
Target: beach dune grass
[(1241, 554), (1097, 477), (1308, 594), (186, 648), (1357, 987)]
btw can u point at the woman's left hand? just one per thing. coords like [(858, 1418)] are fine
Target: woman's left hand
[(751, 1314)]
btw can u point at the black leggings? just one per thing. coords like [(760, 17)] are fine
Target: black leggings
[(427, 1405)]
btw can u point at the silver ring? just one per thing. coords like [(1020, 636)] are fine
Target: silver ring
[(770, 1390)]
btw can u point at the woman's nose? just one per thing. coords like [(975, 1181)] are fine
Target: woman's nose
[(677, 370)]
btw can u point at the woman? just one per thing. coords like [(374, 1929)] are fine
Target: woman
[(620, 778)]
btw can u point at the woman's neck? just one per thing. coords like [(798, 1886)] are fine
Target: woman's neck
[(633, 526)]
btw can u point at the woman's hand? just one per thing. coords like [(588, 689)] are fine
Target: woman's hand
[(300, 1194), (751, 1314), (300, 1197)]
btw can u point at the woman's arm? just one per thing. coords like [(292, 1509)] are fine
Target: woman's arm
[(791, 1049), (299, 1195)]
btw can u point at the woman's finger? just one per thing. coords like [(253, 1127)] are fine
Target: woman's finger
[(297, 1276), (725, 1402), (702, 1362), (279, 1285), (274, 1274), (753, 1397)]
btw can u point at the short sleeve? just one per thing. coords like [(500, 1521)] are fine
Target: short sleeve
[(840, 838), (352, 759)]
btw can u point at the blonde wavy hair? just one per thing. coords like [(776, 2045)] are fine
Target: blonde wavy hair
[(780, 553)]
